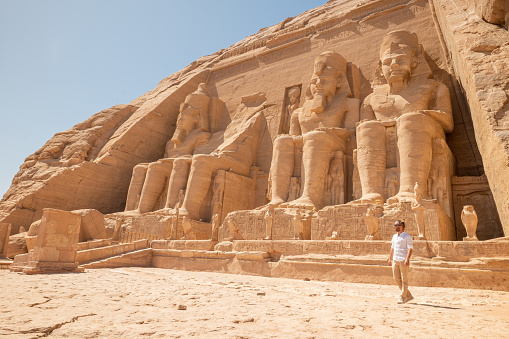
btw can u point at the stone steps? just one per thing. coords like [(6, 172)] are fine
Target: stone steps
[(137, 258), (98, 253), (5, 263)]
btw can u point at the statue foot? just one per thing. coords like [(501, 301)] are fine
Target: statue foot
[(183, 212), (370, 198), (302, 202), (401, 197)]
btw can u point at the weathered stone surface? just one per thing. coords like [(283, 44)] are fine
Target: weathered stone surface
[(92, 225), (56, 244), (208, 140)]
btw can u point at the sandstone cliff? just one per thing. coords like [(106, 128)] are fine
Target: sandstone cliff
[(90, 165)]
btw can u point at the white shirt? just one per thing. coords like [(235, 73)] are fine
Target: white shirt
[(401, 243)]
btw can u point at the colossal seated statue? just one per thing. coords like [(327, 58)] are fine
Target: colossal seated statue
[(149, 179), (236, 154), (317, 128), (404, 120)]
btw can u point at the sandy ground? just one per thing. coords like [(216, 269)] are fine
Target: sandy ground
[(144, 302)]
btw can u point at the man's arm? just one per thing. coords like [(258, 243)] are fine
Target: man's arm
[(410, 247), (409, 254), (389, 261)]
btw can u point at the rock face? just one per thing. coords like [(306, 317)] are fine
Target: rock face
[(341, 109)]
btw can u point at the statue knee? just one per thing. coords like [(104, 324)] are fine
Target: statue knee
[(284, 143), (316, 136), (416, 123), (371, 134), (181, 164), (200, 162)]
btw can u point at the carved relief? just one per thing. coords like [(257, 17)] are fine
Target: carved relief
[(292, 101)]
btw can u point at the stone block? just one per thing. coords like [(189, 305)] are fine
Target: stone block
[(92, 225)]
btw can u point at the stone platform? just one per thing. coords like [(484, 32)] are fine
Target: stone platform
[(479, 265)]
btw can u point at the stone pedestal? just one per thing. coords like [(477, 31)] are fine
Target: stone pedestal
[(56, 245), (252, 226), (348, 221)]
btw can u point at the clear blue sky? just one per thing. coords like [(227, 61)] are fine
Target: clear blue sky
[(62, 61)]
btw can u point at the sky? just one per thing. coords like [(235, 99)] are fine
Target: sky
[(61, 61)]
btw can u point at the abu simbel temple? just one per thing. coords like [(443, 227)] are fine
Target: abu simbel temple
[(291, 154)]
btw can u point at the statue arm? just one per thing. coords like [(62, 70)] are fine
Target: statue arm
[(442, 110), (294, 123), (367, 112)]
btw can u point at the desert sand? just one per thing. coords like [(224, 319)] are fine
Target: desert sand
[(151, 302)]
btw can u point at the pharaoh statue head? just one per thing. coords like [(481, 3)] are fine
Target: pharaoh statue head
[(329, 75), (401, 58), (193, 114), (399, 55)]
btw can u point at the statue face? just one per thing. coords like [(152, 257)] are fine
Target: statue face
[(396, 66), (186, 121), (324, 82)]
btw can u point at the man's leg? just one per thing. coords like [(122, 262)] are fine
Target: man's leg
[(396, 273), (405, 294)]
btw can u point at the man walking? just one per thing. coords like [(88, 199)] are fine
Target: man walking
[(399, 259)]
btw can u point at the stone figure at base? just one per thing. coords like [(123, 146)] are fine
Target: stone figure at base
[(469, 220), (215, 227), (417, 107), (418, 208), (234, 228), (372, 225), (298, 226), (317, 125), (268, 220)]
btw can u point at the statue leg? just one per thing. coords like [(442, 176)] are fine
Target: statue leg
[(178, 180), (415, 135), (154, 185), (136, 185), (371, 161), (200, 178), (282, 168), (317, 153)]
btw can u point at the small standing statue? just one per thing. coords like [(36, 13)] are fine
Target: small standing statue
[(469, 220), (188, 228), (215, 227), (372, 225), (418, 209), (298, 226), (268, 221), (234, 229)]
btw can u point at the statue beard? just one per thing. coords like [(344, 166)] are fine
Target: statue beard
[(319, 103), (179, 135)]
